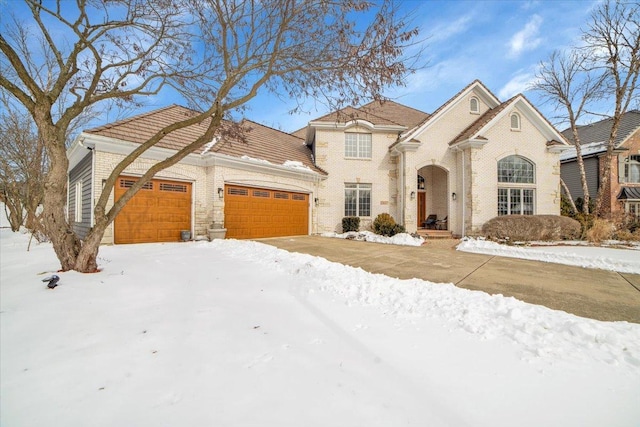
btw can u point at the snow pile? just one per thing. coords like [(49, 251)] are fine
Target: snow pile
[(539, 331), (294, 164), (404, 239), (621, 260), (209, 145)]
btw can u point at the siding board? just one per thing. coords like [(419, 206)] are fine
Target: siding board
[(82, 171)]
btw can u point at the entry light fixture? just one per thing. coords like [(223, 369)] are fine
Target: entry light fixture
[(220, 192), (453, 196), (316, 201), (413, 195)]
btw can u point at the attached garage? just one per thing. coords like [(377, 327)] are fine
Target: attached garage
[(251, 212), (157, 213)]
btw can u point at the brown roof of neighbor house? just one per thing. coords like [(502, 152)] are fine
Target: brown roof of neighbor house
[(259, 141), (600, 130), (485, 118)]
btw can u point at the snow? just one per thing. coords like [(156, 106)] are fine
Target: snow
[(289, 164), (569, 253), (209, 145), (402, 239), (238, 333)]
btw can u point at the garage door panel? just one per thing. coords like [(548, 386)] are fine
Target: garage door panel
[(153, 214), (257, 212)]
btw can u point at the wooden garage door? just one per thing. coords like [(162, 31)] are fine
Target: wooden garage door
[(256, 212), (157, 213)]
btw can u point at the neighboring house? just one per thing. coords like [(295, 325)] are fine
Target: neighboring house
[(473, 159), (622, 193)]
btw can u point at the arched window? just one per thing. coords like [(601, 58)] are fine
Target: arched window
[(474, 105), (516, 186), (515, 121)]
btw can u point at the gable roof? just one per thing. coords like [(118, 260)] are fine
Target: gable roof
[(599, 131), (473, 131), (481, 122), (485, 93), (259, 141)]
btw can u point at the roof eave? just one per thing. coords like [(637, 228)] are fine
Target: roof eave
[(470, 143), (217, 159)]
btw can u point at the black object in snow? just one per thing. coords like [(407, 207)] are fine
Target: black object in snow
[(53, 281)]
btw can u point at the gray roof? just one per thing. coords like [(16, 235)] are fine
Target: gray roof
[(629, 193), (599, 131)]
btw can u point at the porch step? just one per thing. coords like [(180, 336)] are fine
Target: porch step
[(435, 234)]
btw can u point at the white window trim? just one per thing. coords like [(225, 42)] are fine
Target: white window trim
[(511, 116), (471, 110), (358, 142), (78, 202), (359, 187)]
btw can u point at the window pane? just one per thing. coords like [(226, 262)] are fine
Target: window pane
[(365, 202), (364, 145), (515, 202), (350, 202), (350, 145), (515, 169), (527, 202), (634, 172), (503, 201)]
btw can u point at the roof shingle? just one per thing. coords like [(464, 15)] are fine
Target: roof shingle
[(600, 130), (258, 141)]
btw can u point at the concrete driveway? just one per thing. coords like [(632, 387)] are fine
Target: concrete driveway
[(597, 294)]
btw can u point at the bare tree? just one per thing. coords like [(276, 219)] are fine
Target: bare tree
[(602, 71), (613, 40), (219, 56), (22, 168), (566, 81)]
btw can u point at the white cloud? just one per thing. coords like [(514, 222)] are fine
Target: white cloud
[(445, 31), (526, 39), (518, 84)]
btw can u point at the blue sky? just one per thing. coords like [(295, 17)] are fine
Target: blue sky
[(500, 43)]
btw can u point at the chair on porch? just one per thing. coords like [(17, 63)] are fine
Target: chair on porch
[(441, 224), (430, 222)]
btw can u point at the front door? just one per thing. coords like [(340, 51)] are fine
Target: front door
[(422, 208)]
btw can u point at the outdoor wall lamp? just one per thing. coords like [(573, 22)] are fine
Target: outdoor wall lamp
[(453, 196), (413, 195), (316, 201), (220, 192)]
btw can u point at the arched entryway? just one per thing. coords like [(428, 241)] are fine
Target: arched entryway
[(433, 191)]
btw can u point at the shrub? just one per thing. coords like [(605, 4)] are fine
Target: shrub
[(531, 227), (385, 225), (350, 223), (601, 229)]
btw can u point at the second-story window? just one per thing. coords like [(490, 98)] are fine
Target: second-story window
[(357, 145)]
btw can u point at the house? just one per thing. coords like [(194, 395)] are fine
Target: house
[(472, 159), (622, 193), (257, 187)]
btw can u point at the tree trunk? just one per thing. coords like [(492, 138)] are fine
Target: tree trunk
[(65, 242)]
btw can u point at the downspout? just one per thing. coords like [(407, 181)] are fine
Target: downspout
[(93, 188), (402, 185), (463, 196)]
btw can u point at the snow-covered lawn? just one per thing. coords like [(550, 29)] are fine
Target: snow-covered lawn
[(237, 333)]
